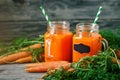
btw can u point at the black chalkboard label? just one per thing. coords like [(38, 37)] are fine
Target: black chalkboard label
[(81, 48)]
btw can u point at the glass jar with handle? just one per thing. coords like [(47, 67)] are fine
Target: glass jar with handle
[(58, 41), (87, 41)]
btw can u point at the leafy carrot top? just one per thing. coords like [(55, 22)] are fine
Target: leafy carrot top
[(20, 43)]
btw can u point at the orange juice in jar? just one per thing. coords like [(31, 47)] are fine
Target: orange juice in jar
[(58, 41), (87, 41)]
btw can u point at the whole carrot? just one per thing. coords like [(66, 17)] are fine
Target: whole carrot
[(24, 60), (44, 66), (13, 57), (45, 63), (34, 46)]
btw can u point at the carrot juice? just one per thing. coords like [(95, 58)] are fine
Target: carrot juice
[(86, 41), (58, 42)]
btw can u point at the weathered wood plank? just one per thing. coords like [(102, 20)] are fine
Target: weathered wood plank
[(17, 72), (12, 30), (11, 10)]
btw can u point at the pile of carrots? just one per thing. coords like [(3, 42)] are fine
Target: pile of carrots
[(24, 56), (21, 56)]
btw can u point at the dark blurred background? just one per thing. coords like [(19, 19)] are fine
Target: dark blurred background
[(24, 18)]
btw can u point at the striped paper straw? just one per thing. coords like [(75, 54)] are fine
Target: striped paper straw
[(97, 16), (44, 13)]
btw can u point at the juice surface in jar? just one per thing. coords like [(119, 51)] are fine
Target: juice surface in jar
[(86, 41), (58, 42)]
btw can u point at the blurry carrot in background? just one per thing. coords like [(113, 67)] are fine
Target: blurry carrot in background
[(13, 57), (34, 46), (22, 54), (117, 53), (24, 60), (44, 66), (114, 60)]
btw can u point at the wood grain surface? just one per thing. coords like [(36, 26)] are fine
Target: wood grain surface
[(16, 72)]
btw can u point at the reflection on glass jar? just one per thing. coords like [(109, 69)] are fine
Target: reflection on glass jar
[(87, 41), (58, 41)]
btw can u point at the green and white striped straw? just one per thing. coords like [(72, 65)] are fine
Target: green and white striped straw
[(97, 16), (44, 13)]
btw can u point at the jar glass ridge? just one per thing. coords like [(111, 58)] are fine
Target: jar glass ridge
[(85, 29), (54, 26)]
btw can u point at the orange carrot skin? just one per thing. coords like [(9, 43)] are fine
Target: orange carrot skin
[(45, 63), (44, 66), (33, 46), (18, 55), (24, 60), (13, 57), (117, 53), (36, 69)]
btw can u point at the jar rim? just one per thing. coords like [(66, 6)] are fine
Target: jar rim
[(66, 23), (87, 24)]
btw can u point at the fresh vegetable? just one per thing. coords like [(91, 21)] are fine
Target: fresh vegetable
[(98, 67), (38, 55), (13, 57), (34, 46), (112, 36), (24, 60), (44, 66), (117, 53), (23, 45), (19, 43), (115, 61)]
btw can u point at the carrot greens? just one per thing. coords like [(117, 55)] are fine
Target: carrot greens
[(112, 36), (104, 66), (19, 43), (98, 67)]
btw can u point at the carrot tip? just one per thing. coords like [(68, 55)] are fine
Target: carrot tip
[(27, 70)]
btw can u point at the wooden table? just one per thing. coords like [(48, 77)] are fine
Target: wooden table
[(17, 72)]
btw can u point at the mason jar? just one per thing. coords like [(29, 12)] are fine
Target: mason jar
[(58, 41), (87, 41)]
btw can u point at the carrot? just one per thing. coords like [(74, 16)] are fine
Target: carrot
[(44, 66), (115, 61), (13, 57), (45, 63), (18, 55), (34, 46), (24, 60), (117, 53)]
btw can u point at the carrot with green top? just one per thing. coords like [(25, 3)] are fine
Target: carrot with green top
[(22, 54), (13, 57)]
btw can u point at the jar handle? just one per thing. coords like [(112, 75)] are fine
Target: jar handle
[(104, 44)]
